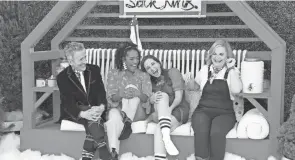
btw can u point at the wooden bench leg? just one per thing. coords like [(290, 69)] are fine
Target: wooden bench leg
[(56, 106)]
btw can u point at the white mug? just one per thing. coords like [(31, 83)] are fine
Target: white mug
[(40, 82), (51, 82)]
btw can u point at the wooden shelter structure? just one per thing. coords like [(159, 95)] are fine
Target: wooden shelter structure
[(49, 139)]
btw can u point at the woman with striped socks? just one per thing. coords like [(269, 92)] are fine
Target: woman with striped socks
[(169, 105)]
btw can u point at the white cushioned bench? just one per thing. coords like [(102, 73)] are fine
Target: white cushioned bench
[(184, 60)]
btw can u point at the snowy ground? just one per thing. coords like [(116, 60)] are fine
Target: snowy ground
[(10, 143), (9, 150)]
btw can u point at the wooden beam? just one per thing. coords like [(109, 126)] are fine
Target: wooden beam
[(45, 89), (118, 2), (248, 148), (203, 7), (258, 106), (208, 14), (121, 8), (220, 14), (188, 40), (103, 15), (213, 2), (263, 55), (108, 3), (72, 23), (276, 103), (161, 27), (46, 55), (256, 23), (265, 94), (42, 99), (47, 22)]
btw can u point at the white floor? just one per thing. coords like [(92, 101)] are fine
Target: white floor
[(10, 143)]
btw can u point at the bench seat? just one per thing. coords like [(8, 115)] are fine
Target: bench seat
[(49, 139)]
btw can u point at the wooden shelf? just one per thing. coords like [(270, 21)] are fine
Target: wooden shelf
[(264, 94), (18, 126), (45, 89)]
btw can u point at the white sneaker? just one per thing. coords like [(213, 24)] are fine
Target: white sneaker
[(170, 148)]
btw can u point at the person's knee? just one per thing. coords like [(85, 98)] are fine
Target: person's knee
[(114, 114), (222, 125), (163, 102), (135, 99), (218, 131), (199, 119), (89, 146), (165, 96)]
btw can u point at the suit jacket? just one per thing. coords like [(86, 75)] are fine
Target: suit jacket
[(73, 97)]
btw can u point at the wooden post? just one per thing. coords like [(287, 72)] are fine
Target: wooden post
[(55, 95), (29, 97), (276, 102), (27, 45)]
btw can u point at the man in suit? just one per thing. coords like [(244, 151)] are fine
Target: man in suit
[(83, 100)]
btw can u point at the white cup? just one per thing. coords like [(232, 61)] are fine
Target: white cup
[(51, 82), (40, 82)]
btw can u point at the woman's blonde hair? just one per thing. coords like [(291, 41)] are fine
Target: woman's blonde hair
[(219, 43)]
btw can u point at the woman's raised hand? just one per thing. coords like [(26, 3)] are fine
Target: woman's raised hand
[(230, 63), (155, 98)]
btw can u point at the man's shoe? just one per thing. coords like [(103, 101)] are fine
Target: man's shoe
[(199, 158), (114, 154)]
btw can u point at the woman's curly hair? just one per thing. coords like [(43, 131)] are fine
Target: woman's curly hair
[(122, 52)]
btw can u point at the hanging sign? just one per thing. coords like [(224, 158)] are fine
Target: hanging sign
[(162, 9)]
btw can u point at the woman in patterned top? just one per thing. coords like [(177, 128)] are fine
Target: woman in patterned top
[(171, 108), (128, 88)]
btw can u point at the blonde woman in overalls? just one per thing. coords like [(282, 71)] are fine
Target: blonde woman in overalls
[(214, 117)]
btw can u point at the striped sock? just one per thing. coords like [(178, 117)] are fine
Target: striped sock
[(160, 157), (165, 125), (87, 155)]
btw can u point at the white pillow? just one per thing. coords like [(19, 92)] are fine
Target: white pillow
[(71, 126), (139, 127)]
